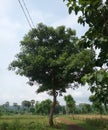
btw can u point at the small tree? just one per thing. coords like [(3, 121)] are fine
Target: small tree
[(51, 57), (96, 103), (44, 107), (98, 82), (85, 108), (26, 105), (15, 105), (70, 104), (32, 103)]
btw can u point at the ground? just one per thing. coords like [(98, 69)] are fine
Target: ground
[(70, 125)]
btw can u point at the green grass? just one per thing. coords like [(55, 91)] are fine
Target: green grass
[(33, 122), (27, 122), (90, 123)]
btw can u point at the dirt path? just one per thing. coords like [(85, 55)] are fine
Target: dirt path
[(70, 125)]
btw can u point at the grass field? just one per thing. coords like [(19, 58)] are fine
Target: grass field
[(90, 122), (33, 122), (27, 122)]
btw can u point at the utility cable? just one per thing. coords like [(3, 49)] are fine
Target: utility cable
[(28, 13), (25, 14)]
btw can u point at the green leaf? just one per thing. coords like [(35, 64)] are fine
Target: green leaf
[(70, 9), (77, 10), (106, 74), (92, 89), (100, 77)]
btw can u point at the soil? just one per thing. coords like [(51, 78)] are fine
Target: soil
[(70, 125)]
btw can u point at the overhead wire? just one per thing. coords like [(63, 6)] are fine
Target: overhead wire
[(28, 13), (28, 19)]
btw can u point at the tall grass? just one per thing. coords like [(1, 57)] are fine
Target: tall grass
[(26, 122), (91, 122)]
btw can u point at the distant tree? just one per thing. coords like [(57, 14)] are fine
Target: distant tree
[(51, 57), (6, 105), (26, 105), (58, 108), (85, 108), (32, 103), (44, 107), (15, 105), (63, 110), (32, 110), (1, 110), (98, 82), (96, 103), (70, 104)]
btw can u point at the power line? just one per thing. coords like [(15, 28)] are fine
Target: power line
[(28, 13), (25, 14)]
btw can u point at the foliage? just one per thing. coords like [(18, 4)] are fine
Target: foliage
[(59, 109), (50, 57), (97, 105), (85, 108), (32, 102), (43, 108), (70, 104), (98, 82), (93, 13), (26, 105)]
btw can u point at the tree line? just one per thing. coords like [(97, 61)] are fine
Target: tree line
[(43, 107)]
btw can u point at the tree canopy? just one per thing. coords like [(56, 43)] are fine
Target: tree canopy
[(93, 13)]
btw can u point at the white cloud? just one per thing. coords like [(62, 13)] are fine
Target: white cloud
[(8, 31), (69, 21), (5, 5)]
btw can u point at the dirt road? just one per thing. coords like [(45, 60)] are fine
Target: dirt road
[(70, 125)]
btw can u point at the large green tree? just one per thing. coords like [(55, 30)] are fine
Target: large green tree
[(51, 57)]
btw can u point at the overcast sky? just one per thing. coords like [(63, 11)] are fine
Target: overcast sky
[(13, 27)]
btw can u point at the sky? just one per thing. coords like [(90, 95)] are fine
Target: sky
[(13, 27)]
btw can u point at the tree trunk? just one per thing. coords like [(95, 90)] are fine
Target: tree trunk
[(51, 123), (106, 109)]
